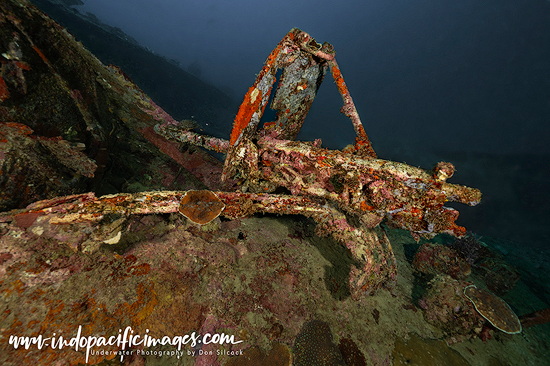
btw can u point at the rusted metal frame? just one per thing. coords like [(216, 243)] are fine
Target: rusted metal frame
[(370, 249), (362, 143), (251, 110), (406, 214), (409, 197), (302, 74), (174, 133), (254, 103), (289, 56), (255, 100)]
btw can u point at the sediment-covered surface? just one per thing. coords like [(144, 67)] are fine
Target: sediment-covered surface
[(261, 279)]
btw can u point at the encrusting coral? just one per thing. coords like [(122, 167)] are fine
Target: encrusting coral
[(359, 190), (436, 259), (200, 207), (494, 309), (446, 307), (314, 346)]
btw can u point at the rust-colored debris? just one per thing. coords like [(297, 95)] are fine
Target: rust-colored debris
[(201, 207), (331, 185), (494, 309)]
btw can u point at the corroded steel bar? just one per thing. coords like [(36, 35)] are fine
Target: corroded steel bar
[(362, 143), (255, 100), (304, 62), (326, 52), (375, 262), (408, 197), (173, 132)]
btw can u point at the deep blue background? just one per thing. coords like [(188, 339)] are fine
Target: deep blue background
[(426, 75), (466, 81)]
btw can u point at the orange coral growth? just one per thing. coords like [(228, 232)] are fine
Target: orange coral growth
[(366, 207), (253, 97), (140, 270), (339, 80), (147, 300), (246, 110), (458, 230), (271, 59), (23, 65), (201, 207), (17, 286)]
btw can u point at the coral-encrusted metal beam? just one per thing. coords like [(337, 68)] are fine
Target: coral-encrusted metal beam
[(407, 197), (330, 186), (173, 132), (375, 264), (373, 189), (326, 52), (362, 142), (304, 63)]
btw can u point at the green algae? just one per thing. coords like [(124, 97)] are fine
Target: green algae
[(425, 352)]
